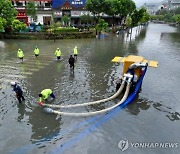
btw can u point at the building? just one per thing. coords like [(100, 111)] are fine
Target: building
[(44, 11), (74, 9), (173, 4)]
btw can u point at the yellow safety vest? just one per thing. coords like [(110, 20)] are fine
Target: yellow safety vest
[(58, 53), (75, 51), (36, 51), (45, 94), (20, 54)]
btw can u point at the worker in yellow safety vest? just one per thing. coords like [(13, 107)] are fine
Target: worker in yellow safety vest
[(58, 53), (43, 96), (20, 54), (36, 51), (75, 52)]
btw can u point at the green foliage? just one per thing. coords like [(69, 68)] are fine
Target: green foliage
[(162, 12), (17, 26), (113, 8), (63, 30), (2, 23), (101, 25), (168, 17), (7, 13), (176, 18), (65, 19), (125, 7), (128, 22), (137, 16), (86, 18), (146, 17), (31, 10), (95, 6), (157, 17)]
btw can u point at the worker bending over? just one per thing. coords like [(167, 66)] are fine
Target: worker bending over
[(43, 96)]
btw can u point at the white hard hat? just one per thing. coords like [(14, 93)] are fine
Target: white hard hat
[(13, 83)]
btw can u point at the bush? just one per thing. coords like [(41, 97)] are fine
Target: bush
[(64, 29), (17, 26)]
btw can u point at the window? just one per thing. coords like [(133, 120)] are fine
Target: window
[(19, 4), (47, 4)]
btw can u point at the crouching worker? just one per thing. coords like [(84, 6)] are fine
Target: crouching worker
[(18, 91), (43, 96)]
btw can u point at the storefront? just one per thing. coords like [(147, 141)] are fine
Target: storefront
[(72, 8), (22, 16)]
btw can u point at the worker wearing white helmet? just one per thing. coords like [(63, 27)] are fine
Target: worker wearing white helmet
[(18, 91)]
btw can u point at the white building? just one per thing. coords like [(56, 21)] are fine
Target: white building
[(43, 7)]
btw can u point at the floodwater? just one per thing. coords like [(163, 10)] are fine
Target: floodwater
[(153, 117)]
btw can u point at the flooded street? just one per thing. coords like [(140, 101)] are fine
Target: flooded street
[(154, 117)]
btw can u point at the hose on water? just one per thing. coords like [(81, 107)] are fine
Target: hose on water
[(49, 110), (90, 103)]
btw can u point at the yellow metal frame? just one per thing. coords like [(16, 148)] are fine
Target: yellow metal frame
[(127, 61)]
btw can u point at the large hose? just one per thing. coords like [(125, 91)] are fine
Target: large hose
[(90, 103), (49, 110)]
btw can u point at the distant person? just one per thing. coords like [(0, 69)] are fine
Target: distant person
[(75, 52), (58, 53), (20, 54), (71, 62), (18, 91), (43, 96), (36, 51)]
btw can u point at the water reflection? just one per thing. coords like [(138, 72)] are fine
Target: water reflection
[(140, 104), (21, 111), (137, 105), (172, 115), (43, 125)]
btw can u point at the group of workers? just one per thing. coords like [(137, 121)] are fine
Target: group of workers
[(44, 95), (57, 53)]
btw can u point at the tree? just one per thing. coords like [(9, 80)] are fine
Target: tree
[(137, 16), (128, 21), (176, 18), (31, 10), (17, 26), (95, 6), (86, 19), (7, 13), (124, 8), (65, 19), (101, 25), (146, 17)]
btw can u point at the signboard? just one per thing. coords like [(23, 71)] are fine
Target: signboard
[(58, 13), (77, 3), (80, 13)]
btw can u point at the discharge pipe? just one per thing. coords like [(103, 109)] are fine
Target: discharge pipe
[(85, 114), (94, 102)]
